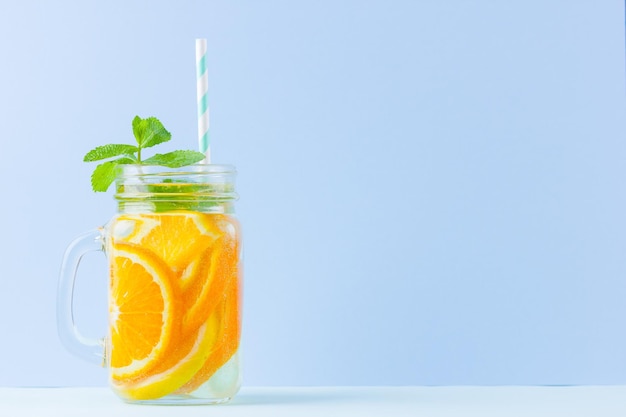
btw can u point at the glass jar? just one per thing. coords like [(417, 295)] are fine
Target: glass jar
[(174, 258)]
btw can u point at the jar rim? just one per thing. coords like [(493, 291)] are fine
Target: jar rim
[(141, 169), (152, 188)]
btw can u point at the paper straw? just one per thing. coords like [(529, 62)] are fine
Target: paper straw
[(202, 87)]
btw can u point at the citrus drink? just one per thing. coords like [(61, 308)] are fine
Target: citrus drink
[(174, 305)]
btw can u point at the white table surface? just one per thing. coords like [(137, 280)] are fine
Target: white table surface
[(457, 401)]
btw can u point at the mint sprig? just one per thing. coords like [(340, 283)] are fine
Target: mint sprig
[(148, 133)]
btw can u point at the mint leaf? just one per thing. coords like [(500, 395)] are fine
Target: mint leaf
[(104, 174), (175, 159), (109, 151), (149, 132)]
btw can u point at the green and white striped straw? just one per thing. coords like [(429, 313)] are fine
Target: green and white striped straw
[(202, 87)]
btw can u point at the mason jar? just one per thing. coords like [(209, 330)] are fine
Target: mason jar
[(175, 284)]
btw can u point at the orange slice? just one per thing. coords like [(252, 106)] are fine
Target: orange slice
[(170, 379), (142, 308), (219, 283), (208, 286), (227, 340), (175, 237)]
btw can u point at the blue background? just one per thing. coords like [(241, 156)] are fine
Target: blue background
[(432, 192)]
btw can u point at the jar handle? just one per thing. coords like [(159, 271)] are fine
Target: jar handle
[(93, 350)]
